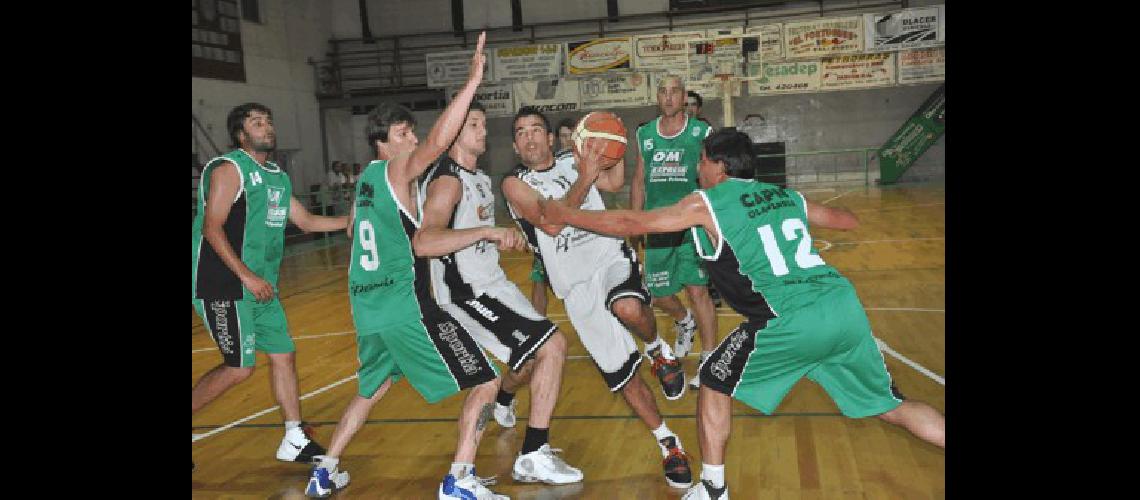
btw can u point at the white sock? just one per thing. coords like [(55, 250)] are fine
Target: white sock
[(688, 319), (292, 424), (713, 474), (662, 433), (461, 470), (329, 463)]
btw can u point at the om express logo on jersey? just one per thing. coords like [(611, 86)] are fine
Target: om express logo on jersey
[(667, 166), (276, 214)]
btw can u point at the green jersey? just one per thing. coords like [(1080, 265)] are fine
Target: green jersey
[(387, 284), (670, 162), (768, 264), (255, 227)]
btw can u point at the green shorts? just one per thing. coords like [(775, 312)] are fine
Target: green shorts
[(671, 262), (537, 271), (436, 354), (828, 340), (240, 327)]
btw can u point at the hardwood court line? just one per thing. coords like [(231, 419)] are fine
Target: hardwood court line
[(198, 437), (836, 197), (302, 337), (888, 241), (921, 369), (896, 207)]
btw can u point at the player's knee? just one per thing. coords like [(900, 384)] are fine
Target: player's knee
[(697, 292), (284, 359), (627, 309), (238, 374), (555, 346)]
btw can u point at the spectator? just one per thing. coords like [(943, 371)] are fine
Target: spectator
[(565, 130), (693, 105)]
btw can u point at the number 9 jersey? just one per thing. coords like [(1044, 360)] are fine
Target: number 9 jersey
[(387, 284)]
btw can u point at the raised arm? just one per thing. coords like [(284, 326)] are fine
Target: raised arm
[(406, 168), (434, 238), (690, 211), (831, 218), (308, 222)]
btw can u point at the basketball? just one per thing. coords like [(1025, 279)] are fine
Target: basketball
[(604, 126)]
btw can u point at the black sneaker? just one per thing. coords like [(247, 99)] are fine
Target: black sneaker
[(298, 446), (676, 464), (670, 373)]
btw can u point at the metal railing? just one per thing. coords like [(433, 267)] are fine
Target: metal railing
[(842, 170)]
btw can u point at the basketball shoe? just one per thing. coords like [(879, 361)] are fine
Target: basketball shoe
[(543, 465), (298, 445)]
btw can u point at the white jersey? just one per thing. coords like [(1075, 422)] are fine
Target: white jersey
[(572, 255), (461, 275)]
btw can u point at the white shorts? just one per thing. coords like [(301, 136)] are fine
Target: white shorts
[(504, 322), (588, 304)]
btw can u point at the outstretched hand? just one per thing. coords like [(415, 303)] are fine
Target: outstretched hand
[(508, 239), (478, 59)]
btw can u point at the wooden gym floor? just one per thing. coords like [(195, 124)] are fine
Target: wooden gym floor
[(806, 450)]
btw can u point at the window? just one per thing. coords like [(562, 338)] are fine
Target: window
[(251, 10)]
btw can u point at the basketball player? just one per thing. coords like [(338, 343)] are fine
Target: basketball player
[(239, 237), (596, 276), (538, 274), (693, 104), (670, 147), (457, 197), (802, 318), (400, 330)]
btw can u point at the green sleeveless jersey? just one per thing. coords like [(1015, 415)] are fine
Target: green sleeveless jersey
[(387, 284), (255, 227), (764, 263), (670, 162)]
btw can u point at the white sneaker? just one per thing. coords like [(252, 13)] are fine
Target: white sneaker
[(505, 415), (298, 446), (322, 482), (704, 491), (471, 486), (685, 332), (542, 465)]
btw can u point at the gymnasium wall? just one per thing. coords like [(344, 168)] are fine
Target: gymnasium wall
[(295, 30), (277, 76)]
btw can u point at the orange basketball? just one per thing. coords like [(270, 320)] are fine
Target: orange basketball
[(602, 126)]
